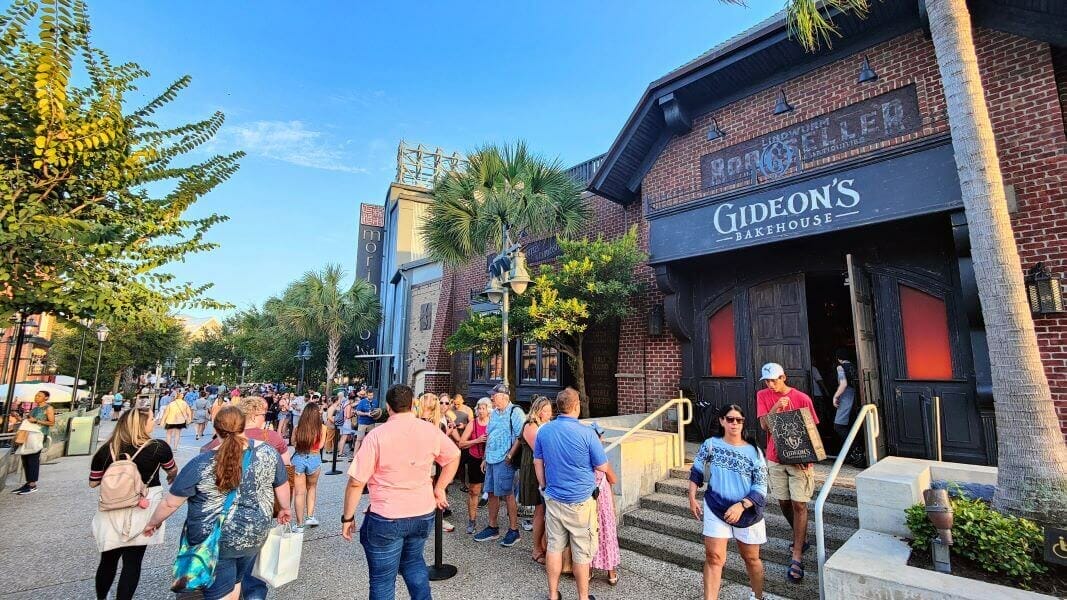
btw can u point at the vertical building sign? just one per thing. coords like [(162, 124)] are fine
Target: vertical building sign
[(369, 259)]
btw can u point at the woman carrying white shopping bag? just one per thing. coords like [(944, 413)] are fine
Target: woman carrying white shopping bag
[(127, 466), (279, 558)]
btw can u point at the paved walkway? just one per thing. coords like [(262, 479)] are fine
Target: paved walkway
[(47, 552)]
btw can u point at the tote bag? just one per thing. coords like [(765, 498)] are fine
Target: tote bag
[(122, 527), (278, 562), (34, 439)]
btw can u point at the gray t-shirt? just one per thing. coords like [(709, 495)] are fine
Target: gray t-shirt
[(844, 403), (246, 527)]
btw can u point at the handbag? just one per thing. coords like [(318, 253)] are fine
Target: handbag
[(194, 567), (278, 562), (123, 527), (33, 439)]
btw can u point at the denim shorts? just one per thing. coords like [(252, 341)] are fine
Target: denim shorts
[(306, 464), (499, 479), (228, 571)]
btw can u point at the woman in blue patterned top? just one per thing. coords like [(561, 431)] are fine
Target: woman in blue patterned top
[(732, 506)]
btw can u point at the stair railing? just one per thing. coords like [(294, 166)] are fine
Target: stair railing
[(685, 417), (868, 414)]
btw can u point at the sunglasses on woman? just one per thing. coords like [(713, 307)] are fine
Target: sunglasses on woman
[(737, 420)]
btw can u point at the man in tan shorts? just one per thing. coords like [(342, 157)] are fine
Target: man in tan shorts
[(566, 454)]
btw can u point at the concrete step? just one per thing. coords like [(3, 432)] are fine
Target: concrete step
[(680, 487), (833, 514), (691, 555), (779, 535)]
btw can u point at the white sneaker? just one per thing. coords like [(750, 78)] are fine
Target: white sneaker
[(447, 525), (297, 529), (311, 521)]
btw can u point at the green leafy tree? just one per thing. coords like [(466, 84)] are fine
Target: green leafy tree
[(80, 234), (319, 304), (593, 283), (503, 187), (130, 345)]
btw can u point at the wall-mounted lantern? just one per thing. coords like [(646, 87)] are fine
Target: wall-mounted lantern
[(1044, 291), (655, 320)]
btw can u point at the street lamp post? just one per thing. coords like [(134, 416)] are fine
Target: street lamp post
[(303, 354), (244, 365), (507, 274), (81, 354), (211, 369), (101, 335), (196, 360), (19, 320)]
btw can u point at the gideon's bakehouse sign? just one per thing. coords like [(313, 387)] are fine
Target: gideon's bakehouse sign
[(913, 183), (785, 151)]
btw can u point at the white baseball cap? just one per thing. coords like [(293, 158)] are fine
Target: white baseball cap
[(771, 371)]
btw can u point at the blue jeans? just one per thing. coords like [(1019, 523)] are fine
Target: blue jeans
[(253, 588), (392, 546), (228, 571)]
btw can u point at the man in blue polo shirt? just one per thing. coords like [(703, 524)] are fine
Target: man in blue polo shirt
[(566, 453)]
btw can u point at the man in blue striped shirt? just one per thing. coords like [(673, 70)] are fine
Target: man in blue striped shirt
[(505, 426)]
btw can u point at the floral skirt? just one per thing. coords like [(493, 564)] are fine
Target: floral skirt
[(607, 555)]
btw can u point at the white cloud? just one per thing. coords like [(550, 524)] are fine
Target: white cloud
[(287, 141)]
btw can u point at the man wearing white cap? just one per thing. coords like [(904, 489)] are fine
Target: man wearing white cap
[(791, 485)]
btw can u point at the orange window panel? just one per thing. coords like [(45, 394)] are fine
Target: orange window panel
[(927, 350), (722, 349)]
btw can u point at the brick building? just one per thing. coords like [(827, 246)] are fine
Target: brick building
[(793, 203)]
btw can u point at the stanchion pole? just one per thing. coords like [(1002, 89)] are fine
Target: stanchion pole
[(333, 468), (439, 571)]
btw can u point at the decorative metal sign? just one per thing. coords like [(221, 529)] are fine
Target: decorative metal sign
[(914, 183), (369, 259), (785, 151)]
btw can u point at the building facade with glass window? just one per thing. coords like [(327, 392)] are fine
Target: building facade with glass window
[(795, 203)]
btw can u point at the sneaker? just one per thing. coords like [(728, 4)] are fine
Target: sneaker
[(483, 502), (27, 491), (297, 529), (311, 521), (471, 526), (510, 539), (487, 535), (20, 489), (447, 526), (527, 525), (752, 595)]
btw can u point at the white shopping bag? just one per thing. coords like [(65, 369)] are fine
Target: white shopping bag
[(279, 558), (119, 528)]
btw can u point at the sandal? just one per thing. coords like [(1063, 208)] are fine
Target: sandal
[(804, 550), (613, 579), (539, 560), (795, 574)]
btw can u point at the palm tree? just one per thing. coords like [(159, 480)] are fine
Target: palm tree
[(319, 304), (1032, 456), (502, 188)]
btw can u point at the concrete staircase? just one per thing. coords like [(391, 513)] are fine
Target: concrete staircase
[(663, 528)]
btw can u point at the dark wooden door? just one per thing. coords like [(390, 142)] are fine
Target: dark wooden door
[(779, 314), (862, 297)]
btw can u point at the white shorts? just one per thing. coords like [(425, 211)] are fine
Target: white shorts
[(714, 527)]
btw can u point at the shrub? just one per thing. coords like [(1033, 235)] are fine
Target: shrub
[(994, 542)]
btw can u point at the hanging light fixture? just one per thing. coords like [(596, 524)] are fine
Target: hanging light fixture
[(493, 290), (655, 320), (782, 105), (519, 275), (714, 132), (866, 72), (1044, 291)]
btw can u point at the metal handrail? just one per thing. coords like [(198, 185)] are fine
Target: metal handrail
[(869, 412), (683, 420)]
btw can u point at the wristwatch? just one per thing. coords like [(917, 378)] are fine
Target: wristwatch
[(348, 520)]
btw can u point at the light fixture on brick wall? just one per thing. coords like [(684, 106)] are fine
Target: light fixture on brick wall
[(1044, 291), (782, 105), (866, 72), (714, 132), (655, 320)]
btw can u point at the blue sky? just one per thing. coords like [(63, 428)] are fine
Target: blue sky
[(320, 93)]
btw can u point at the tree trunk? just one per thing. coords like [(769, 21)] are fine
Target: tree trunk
[(333, 352), (1032, 474), (579, 374)]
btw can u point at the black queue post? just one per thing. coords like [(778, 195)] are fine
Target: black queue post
[(333, 467), (439, 571)]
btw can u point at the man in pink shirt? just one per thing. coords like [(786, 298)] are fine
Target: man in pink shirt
[(791, 485), (396, 459)]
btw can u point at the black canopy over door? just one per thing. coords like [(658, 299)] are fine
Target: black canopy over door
[(779, 314)]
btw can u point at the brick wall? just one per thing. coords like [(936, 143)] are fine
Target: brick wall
[(1027, 108)]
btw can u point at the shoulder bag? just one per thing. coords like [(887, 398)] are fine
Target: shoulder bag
[(194, 567), (516, 459), (718, 505)]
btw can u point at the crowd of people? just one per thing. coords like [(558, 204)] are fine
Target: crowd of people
[(266, 452)]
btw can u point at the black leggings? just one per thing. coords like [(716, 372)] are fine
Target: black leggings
[(131, 571), (31, 463)]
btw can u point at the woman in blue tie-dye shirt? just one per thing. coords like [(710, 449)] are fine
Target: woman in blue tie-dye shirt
[(732, 506)]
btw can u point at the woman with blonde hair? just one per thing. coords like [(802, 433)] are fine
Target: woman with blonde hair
[(529, 489), (431, 411), (220, 402), (132, 440), (308, 437), (232, 487), (176, 416)]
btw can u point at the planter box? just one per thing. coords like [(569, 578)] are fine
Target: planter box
[(874, 566)]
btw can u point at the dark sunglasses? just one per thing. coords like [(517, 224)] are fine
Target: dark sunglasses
[(738, 420)]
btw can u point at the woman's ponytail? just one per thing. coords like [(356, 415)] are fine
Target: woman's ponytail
[(229, 425)]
